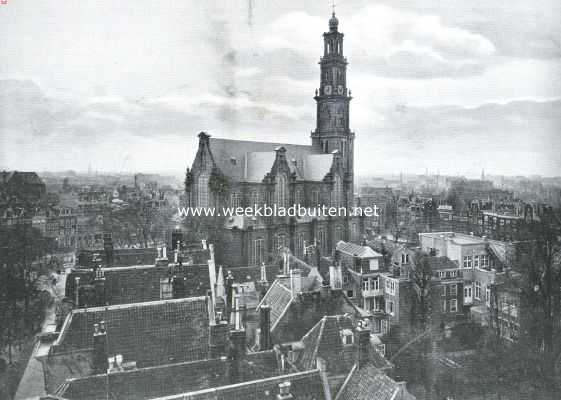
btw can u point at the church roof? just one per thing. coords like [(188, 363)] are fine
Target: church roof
[(250, 161)]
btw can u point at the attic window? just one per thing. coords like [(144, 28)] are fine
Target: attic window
[(347, 337), (233, 160)]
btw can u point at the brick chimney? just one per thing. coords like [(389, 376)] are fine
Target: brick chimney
[(265, 327), (218, 339), (100, 349), (229, 294), (108, 247), (363, 345), (99, 284), (284, 391), (236, 353), (295, 282)]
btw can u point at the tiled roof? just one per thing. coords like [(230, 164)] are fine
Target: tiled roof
[(306, 385), (369, 383), (169, 380), (356, 250), (231, 156), (141, 283), (149, 333)]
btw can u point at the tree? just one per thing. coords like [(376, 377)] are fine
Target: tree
[(539, 264)]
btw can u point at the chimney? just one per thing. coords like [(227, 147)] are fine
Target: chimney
[(108, 247), (325, 290), (295, 282), (99, 284), (77, 291), (100, 349), (363, 345), (229, 294), (218, 339), (284, 391), (235, 354), (265, 327), (335, 280)]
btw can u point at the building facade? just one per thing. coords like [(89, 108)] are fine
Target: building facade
[(255, 174)]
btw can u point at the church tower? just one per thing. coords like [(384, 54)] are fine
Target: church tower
[(333, 98)]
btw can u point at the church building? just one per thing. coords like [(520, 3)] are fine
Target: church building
[(238, 173)]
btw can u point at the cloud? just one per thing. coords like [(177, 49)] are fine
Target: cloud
[(387, 42)]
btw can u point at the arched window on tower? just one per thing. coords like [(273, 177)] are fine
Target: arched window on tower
[(202, 190)]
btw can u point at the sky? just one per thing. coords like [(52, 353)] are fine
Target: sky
[(452, 86)]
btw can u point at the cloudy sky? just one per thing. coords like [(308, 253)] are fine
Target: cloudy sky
[(452, 86)]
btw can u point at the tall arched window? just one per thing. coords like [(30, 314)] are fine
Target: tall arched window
[(202, 190), (280, 190), (337, 193)]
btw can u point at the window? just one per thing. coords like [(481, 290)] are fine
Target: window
[(338, 234), (258, 251), (254, 199), (365, 285), (202, 190), (235, 200), (390, 286), (315, 198), (375, 284), (444, 305), (389, 307), (347, 337), (443, 294), (381, 348), (441, 274), (166, 289), (453, 305), (453, 290), (280, 190), (476, 262), (467, 292), (403, 258), (384, 326), (484, 261), (488, 297), (467, 261), (300, 244), (298, 198), (453, 273), (322, 242), (407, 258), (350, 294), (478, 290)]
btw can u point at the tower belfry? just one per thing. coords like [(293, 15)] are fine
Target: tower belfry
[(333, 97)]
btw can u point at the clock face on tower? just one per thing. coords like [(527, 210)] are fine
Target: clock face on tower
[(340, 89), (327, 89)]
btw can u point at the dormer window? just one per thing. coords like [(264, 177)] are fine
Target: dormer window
[(347, 337)]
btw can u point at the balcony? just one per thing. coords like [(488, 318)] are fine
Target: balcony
[(372, 292)]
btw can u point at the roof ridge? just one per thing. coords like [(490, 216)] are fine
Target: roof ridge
[(138, 305)]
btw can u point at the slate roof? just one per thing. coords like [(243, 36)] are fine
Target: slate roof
[(168, 380), (292, 318), (356, 250), (316, 166), (149, 333), (369, 383), (503, 251), (324, 340), (225, 151)]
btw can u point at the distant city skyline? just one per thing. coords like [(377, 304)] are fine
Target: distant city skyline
[(454, 87)]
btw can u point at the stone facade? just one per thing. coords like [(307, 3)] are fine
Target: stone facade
[(247, 174)]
